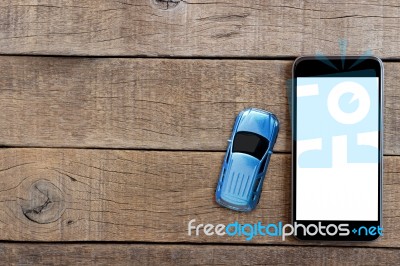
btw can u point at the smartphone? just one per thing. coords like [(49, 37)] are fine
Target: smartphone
[(337, 130)]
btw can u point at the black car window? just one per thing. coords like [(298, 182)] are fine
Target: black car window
[(250, 143)]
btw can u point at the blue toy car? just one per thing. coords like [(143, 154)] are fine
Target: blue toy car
[(246, 160)]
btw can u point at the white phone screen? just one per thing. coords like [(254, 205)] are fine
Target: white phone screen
[(337, 148)]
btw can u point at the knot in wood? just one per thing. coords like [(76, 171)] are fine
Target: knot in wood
[(166, 4), (45, 203)]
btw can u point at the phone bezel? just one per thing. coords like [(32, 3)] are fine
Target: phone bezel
[(311, 67)]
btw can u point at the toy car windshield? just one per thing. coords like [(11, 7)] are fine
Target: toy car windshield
[(250, 143)]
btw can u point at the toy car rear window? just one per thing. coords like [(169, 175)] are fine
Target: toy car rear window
[(250, 143)]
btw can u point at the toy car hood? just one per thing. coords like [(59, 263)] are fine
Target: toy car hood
[(258, 121)]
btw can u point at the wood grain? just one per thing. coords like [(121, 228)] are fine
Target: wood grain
[(135, 103), (185, 107), (112, 195), (150, 254), (149, 103), (198, 27)]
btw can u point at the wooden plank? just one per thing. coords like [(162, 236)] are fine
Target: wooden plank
[(150, 254), (134, 103), (148, 104), (113, 195), (198, 27)]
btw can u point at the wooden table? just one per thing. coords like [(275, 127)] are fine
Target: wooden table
[(114, 118)]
